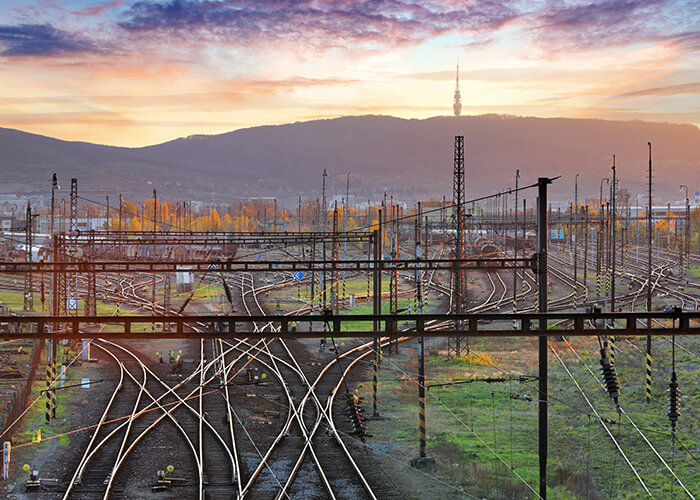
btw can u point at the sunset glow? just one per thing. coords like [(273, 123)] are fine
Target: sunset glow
[(135, 73)]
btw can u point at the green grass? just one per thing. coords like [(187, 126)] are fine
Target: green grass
[(355, 286), (14, 300), (583, 462)]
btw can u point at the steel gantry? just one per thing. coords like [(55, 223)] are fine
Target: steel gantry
[(267, 265), (531, 325)]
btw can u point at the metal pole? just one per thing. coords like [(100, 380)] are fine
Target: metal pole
[(515, 249), (585, 250), (155, 225), (613, 220), (345, 226), (421, 344), (53, 304), (687, 234), (376, 309), (613, 215), (575, 240), (542, 301), (649, 231), (378, 280), (668, 226), (460, 300), (323, 239)]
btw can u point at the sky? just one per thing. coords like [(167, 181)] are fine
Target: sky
[(130, 73)]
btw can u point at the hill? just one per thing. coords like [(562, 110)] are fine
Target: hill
[(410, 158)]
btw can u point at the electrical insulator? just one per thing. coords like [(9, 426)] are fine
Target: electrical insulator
[(227, 291), (674, 401), (610, 378)]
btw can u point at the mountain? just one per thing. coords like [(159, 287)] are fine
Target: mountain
[(413, 159)]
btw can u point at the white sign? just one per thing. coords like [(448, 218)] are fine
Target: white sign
[(72, 304)]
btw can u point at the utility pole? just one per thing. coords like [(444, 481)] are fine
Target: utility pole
[(345, 227), (421, 343), (542, 226), (613, 220), (649, 231), (686, 246), (585, 250), (575, 241), (28, 281), (53, 300), (153, 288), (323, 236), (599, 239), (613, 216), (423, 461), (515, 249), (377, 307), (668, 226)]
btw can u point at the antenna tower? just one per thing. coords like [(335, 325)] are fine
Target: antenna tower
[(457, 102)]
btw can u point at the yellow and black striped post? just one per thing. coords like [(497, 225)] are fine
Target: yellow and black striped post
[(612, 350), (375, 410), (648, 386), (597, 284), (48, 390), (54, 401), (421, 397)]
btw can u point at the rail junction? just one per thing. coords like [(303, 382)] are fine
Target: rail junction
[(204, 406)]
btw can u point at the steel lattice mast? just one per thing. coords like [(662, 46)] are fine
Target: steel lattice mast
[(457, 101), (458, 225)]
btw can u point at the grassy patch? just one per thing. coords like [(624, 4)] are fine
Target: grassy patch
[(13, 300), (465, 420)]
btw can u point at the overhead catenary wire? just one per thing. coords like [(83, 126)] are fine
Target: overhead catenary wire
[(639, 431), (451, 205), (602, 422)]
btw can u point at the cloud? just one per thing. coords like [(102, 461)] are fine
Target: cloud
[(41, 40), (607, 23), (689, 40), (98, 10), (330, 23), (682, 88)]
